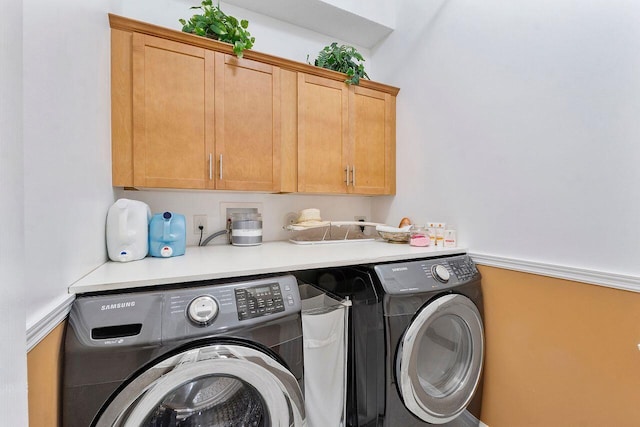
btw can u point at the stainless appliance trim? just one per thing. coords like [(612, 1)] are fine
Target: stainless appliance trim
[(443, 408), (138, 399)]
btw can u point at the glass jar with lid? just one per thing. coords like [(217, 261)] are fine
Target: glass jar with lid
[(418, 236)]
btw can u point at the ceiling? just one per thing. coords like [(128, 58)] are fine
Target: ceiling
[(360, 23)]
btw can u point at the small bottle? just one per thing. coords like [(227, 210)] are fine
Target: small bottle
[(431, 232), (450, 238), (418, 236), (440, 227)]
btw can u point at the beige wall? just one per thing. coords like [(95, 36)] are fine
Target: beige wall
[(44, 366), (559, 353)]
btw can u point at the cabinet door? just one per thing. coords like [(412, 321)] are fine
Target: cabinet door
[(172, 117), (323, 114), (247, 110), (372, 136)]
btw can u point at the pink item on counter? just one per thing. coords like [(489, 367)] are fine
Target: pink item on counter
[(419, 240)]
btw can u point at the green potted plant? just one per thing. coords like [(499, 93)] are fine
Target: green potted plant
[(215, 24), (345, 59)]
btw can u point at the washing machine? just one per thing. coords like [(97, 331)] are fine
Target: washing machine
[(434, 341), (217, 353)]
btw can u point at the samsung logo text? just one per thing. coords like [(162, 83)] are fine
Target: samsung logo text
[(118, 305)]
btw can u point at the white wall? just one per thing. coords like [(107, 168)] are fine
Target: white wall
[(67, 174), (518, 124), (13, 360)]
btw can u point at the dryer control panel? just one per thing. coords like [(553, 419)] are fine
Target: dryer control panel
[(426, 275), (463, 268)]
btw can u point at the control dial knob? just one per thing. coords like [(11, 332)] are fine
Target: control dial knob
[(202, 310), (440, 273)]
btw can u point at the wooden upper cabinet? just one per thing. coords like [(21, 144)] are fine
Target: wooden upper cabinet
[(172, 116), (247, 124), (346, 138), (372, 136), (187, 113), (323, 134)]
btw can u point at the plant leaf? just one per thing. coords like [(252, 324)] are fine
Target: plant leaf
[(342, 59), (214, 23), (218, 29)]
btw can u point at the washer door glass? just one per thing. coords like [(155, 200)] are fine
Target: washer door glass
[(210, 401), (220, 385), (439, 361)]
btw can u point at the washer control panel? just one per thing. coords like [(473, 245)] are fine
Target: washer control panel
[(205, 309), (426, 275), (185, 311), (260, 300)]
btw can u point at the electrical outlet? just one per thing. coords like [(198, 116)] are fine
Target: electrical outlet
[(200, 220)]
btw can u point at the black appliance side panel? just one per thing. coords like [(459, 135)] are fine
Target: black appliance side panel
[(365, 363)]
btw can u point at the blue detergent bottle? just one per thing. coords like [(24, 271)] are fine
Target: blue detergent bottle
[(167, 235)]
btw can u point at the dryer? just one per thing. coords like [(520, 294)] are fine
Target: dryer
[(434, 341), (210, 353)]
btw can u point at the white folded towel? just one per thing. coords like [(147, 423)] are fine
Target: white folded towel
[(389, 229)]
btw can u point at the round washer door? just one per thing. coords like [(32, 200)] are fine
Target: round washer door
[(439, 361), (217, 385)]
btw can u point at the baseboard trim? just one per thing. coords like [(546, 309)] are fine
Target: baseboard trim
[(594, 277), (39, 326)]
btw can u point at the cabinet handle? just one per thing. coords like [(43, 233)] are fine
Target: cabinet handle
[(210, 166), (347, 175), (353, 175), (220, 166)]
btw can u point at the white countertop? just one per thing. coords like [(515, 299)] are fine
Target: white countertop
[(224, 261)]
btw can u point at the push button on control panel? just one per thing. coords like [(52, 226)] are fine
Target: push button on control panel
[(464, 270)]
